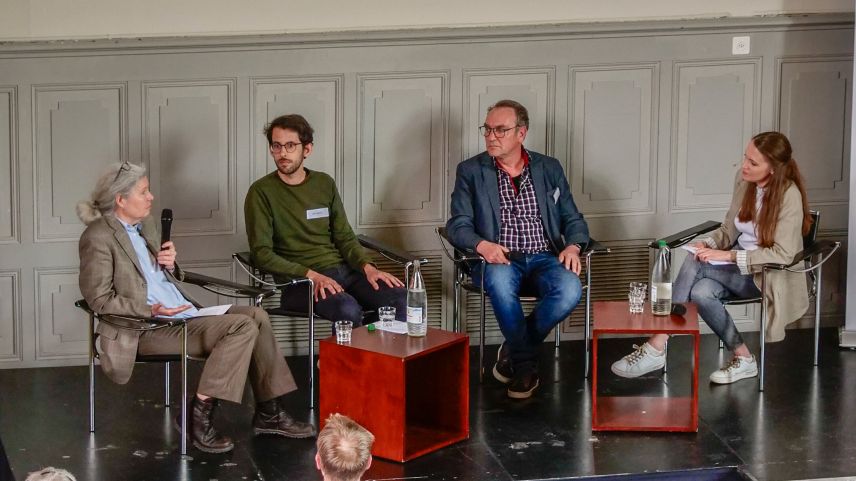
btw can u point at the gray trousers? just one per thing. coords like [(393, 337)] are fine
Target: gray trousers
[(236, 344)]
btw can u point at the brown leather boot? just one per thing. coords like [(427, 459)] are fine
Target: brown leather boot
[(203, 434), (271, 418)]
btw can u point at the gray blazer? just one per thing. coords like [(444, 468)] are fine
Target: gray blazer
[(112, 282), (787, 292)]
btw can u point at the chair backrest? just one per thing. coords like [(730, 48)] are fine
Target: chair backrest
[(811, 236)]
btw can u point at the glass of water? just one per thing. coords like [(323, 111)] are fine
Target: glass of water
[(636, 296), (386, 314), (343, 331)]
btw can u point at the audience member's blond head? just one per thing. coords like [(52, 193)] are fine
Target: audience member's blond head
[(344, 449), (51, 474)]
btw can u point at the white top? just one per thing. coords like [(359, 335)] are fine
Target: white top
[(748, 238)]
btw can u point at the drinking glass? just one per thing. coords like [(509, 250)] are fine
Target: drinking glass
[(343, 331), (636, 296)]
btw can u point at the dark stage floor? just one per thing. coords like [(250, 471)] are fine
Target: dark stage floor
[(802, 427)]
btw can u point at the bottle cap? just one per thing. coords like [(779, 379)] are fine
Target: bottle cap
[(661, 243)]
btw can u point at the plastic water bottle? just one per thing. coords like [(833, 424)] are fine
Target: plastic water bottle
[(417, 304), (661, 282)]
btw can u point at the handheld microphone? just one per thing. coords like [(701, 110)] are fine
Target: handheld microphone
[(166, 224)]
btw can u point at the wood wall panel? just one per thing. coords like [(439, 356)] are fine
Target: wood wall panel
[(189, 147), (717, 110), (402, 148), (614, 139), (815, 103), (76, 129)]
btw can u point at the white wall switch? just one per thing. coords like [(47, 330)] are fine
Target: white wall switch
[(740, 46)]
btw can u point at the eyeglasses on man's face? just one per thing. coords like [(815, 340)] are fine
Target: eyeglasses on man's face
[(289, 147), (498, 132)]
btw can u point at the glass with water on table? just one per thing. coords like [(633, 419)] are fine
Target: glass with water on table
[(636, 296), (343, 331)]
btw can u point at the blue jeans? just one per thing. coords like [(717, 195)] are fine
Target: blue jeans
[(541, 274), (348, 305), (707, 285)]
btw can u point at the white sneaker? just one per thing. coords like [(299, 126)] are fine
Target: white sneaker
[(641, 361), (739, 368)]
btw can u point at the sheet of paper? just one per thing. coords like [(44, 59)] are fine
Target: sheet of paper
[(692, 250), (397, 327), (213, 310)]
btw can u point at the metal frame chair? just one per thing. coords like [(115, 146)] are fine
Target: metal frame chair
[(462, 269), (814, 254), (144, 324), (257, 276)]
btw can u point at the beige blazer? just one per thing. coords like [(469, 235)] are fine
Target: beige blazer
[(112, 282), (787, 292)]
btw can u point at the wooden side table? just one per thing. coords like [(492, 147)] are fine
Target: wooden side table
[(643, 413), (412, 393)]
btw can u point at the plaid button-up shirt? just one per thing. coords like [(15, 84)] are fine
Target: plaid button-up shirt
[(521, 229)]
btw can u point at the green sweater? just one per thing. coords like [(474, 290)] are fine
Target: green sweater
[(284, 240)]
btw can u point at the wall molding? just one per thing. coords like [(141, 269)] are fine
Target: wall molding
[(444, 35)]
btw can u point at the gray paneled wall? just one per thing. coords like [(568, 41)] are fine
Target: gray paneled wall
[(649, 119)]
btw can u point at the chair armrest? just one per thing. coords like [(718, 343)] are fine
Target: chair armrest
[(684, 236), (226, 288), (244, 258), (396, 255), (595, 247), (452, 253), (825, 248), (131, 323)]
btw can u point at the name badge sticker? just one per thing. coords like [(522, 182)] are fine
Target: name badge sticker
[(317, 213)]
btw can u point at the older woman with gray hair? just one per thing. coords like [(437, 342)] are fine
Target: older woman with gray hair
[(125, 270)]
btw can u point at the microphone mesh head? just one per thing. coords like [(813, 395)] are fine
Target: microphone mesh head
[(166, 214)]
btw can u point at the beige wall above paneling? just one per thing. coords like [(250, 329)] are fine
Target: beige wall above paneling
[(61, 19)]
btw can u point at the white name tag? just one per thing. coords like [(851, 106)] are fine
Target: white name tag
[(317, 213)]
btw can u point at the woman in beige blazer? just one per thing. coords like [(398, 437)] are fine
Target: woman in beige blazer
[(766, 223)]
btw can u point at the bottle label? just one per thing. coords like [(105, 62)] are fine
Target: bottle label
[(414, 315), (653, 293)]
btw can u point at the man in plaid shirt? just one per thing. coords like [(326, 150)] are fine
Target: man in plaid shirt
[(514, 208)]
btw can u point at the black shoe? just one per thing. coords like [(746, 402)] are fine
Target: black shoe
[(523, 384), (271, 418), (502, 370), (200, 423)]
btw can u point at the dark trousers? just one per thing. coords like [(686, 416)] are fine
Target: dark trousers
[(350, 305)]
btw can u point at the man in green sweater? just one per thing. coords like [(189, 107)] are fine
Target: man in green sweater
[(297, 227)]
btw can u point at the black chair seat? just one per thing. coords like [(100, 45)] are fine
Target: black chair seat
[(740, 302)]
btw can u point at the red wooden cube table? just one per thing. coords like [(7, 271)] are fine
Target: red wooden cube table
[(412, 393), (643, 413)]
